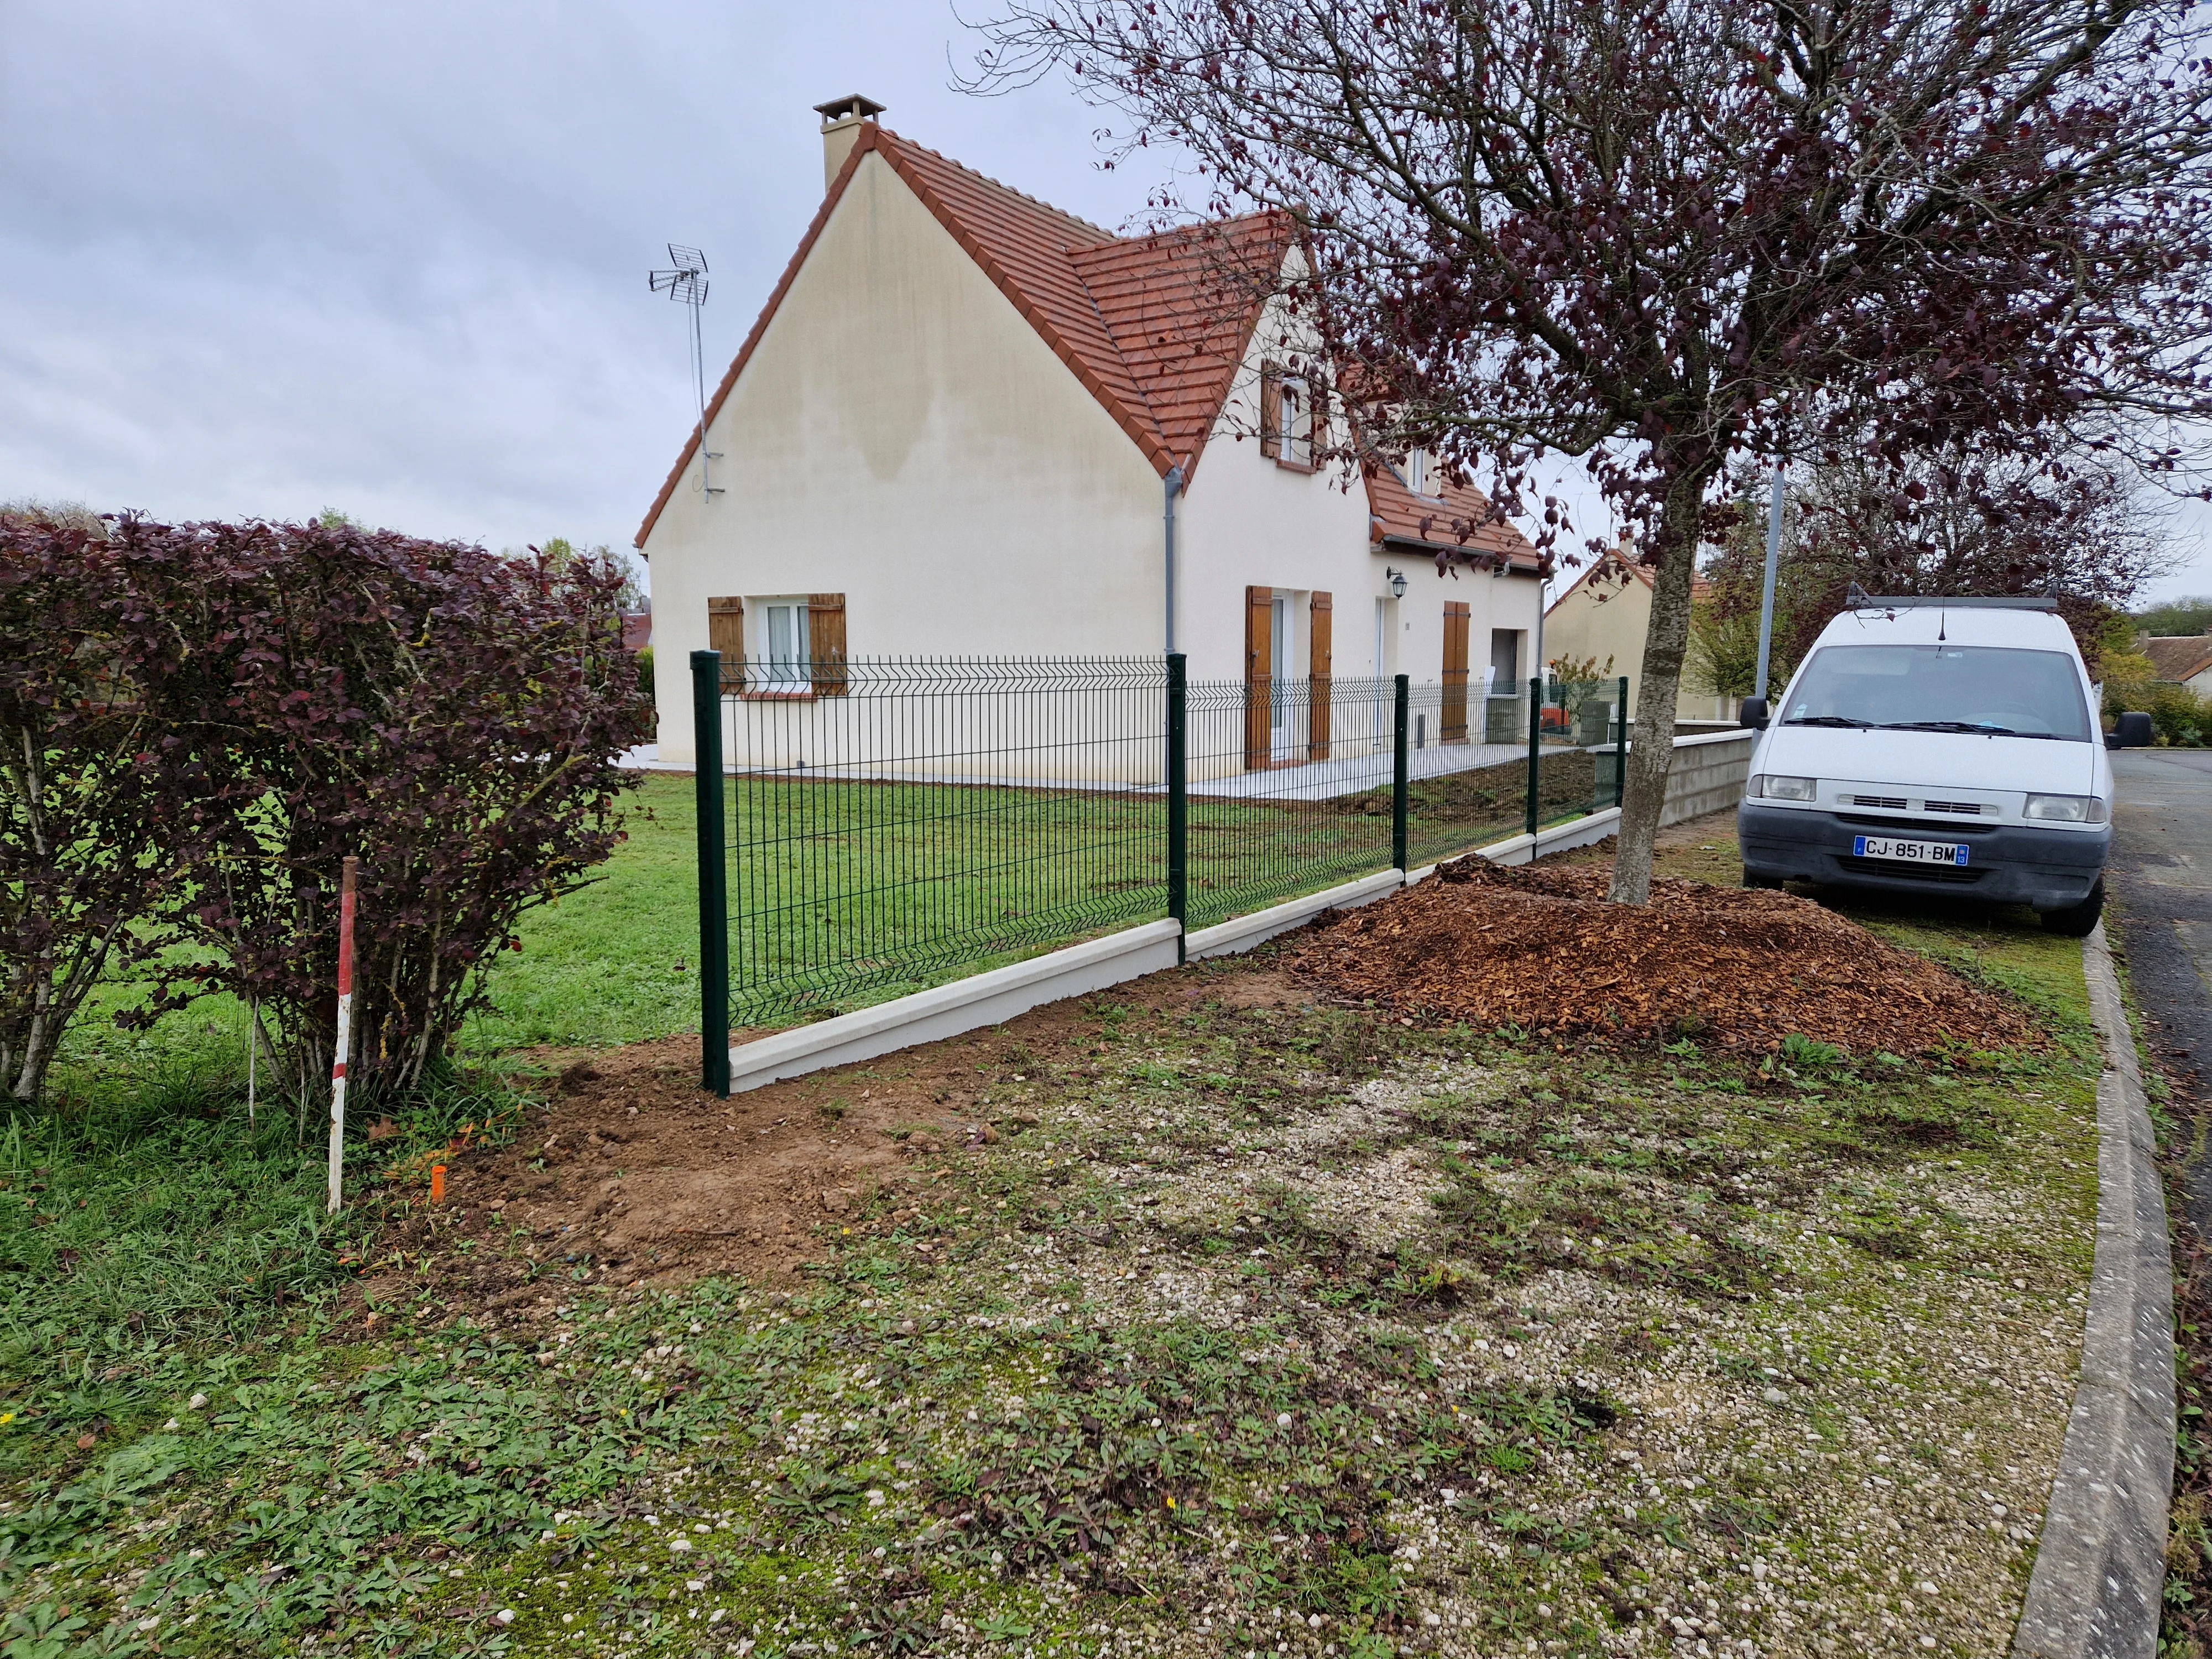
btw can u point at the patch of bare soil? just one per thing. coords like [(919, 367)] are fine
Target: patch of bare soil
[(1540, 947), (632, 1174)]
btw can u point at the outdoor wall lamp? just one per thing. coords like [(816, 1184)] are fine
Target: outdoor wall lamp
[(1397, 582)]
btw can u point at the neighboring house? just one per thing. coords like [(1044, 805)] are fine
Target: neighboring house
[(2186, 658), (1605, 613), (957, 426), (637, 629)]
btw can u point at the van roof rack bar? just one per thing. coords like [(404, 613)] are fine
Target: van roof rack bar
[(1857, 601)]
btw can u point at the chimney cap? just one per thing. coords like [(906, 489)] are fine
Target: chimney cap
[(851, 107)]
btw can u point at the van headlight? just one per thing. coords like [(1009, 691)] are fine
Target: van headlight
[(1769, 786), (2066, 808)]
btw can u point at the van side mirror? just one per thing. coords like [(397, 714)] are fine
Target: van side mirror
[(2133, 731), (1752, 714)]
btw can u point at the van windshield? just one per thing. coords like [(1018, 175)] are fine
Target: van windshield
[(1942, 688)]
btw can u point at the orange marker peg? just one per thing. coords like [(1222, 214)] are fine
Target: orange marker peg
[(437, 1183)]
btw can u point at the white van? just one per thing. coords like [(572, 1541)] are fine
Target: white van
[(1937, 745)]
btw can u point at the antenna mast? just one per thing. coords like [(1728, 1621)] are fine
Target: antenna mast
[(685, 282)]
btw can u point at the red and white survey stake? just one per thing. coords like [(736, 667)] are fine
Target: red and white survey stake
[(345, 1026)]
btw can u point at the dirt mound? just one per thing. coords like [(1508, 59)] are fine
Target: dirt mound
[(633, 1174), (1540, 948)]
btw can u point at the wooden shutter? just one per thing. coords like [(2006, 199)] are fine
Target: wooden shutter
[(1258, 673), (1452, 719), (826, 630), (726, 633), (1318, 652), (1271, 412)]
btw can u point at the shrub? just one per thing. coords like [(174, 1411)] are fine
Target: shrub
[(80, 816), (451, 716), (2178, 715)]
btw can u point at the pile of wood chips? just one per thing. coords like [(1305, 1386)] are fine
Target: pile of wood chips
[(1541, 948)]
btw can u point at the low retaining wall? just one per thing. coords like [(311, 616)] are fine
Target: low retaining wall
[(1712, 778), (1709, 774)]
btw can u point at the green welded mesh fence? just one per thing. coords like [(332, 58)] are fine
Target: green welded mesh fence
[(871, 827)]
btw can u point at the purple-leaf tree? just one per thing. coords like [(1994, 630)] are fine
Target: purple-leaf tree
[(1668, 237), (451, 716)]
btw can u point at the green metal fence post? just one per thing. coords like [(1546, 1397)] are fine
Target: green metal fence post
[(714, 877), (1178, 796), (1535, 741), (1621, 748), (1400, 699)]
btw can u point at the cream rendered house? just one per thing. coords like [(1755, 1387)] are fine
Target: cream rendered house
[(1604, 615), (967, 424)]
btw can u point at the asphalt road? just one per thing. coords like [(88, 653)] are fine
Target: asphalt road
[(2159, 891)]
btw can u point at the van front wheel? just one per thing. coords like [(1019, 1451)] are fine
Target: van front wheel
[(2077, 921), (1752, 878)]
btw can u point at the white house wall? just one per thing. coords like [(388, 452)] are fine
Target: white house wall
[(902, 436)]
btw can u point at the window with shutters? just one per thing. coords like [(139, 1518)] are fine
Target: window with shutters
[(795, 645), (1292, 418)]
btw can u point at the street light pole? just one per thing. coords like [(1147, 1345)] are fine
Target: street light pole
[(1766, 592)]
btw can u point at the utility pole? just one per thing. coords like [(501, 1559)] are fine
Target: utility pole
[(1766, 591)]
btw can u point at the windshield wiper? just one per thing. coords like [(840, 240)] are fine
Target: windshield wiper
[(1831, 719), (1951, 726)]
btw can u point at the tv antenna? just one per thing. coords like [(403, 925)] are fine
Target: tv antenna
[(685, 282)]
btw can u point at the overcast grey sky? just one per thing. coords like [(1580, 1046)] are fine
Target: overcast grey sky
[(261, 257)]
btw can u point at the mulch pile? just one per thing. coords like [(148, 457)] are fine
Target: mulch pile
[(1541, 948)]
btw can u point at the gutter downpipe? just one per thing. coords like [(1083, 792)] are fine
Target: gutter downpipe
[(1172, 487)]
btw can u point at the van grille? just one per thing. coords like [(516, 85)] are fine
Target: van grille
[(1953, 830), (1969, 808), (1894, 803), (1949, 874)]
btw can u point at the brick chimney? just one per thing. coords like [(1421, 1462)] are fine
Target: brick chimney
[(841, 130)]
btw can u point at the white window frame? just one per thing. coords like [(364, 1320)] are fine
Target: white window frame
[(1294, 420), (791, 674)]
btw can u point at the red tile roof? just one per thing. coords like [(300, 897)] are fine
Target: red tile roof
[(1155, 327), (2179, 657), (1457, 521), (1614, 568)]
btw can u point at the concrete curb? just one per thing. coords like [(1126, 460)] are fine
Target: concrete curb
[(2101, 1563)]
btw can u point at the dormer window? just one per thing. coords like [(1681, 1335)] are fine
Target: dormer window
[(1419, 472), (1291, 419)]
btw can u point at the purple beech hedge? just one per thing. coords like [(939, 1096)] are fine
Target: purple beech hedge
[(203, 719)]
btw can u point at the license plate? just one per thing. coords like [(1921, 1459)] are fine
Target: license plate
[(1909, 852)]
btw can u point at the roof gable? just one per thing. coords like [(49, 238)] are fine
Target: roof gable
[(1153, 326)]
